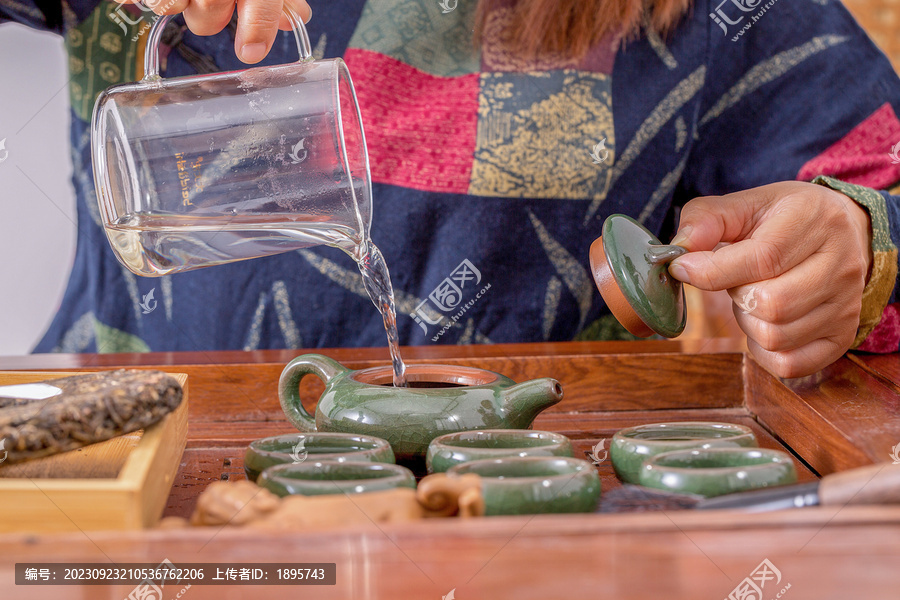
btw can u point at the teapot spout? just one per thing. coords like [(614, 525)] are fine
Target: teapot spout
[(525, 401)]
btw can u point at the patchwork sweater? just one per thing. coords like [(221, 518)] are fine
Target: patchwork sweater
[(492, 174)]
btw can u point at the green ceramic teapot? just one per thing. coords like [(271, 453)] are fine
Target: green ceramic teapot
[(440, 399)]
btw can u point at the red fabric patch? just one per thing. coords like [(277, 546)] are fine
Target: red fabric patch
[(863, 156), (420, 129), (885, 338)]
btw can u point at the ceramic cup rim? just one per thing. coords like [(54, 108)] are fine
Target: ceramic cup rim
[(458, 376), (630, 435), (377, 445), (445, 449), (777, 468), (777, 458), (399, 474), (577, 466), (576, 490), (557, 440)]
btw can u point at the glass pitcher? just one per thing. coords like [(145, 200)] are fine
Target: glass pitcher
[(209, 169)]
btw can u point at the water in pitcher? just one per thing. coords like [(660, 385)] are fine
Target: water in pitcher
[(159, 244)]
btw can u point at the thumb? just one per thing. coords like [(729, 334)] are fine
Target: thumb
[(705, 223), (729, 221), (764, 234), (708, 221)]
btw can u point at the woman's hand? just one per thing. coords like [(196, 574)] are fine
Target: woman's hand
[(258, 20), (794, 258)]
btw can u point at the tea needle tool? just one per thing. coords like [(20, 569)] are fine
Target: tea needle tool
[(874, 484)]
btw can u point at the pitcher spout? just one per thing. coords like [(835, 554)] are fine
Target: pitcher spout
[(525, 401)]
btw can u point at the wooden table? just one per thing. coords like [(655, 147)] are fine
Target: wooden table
[(848, 415)]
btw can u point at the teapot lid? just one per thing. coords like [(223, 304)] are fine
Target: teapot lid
[(629, 265)]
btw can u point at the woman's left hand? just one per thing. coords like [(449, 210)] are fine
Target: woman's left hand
[(794, 258)]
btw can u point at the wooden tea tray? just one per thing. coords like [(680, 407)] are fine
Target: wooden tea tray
[(846, 416), (122, 483)]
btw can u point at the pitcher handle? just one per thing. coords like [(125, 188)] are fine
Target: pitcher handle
[(151, 55), (322, 367)]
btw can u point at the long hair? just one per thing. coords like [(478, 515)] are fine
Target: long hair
[(570, 28)]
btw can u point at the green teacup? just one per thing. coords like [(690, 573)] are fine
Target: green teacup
[(535, 484), (295, 448), (632, 446), (717, 471), (454, 448), (315, 478)]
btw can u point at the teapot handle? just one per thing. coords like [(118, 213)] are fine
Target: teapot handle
[(151, 54), (322, 367)]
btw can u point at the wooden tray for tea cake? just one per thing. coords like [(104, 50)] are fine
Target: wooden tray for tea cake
[(122, 483)]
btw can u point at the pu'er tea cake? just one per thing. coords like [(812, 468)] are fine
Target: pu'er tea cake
[(89, 408)]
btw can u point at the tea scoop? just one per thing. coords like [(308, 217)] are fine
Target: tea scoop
[(630, 268)]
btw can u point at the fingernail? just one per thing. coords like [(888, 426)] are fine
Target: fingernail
[(683, 234), (253, 53), (679, 272)]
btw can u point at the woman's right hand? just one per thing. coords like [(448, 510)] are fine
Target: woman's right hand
[(794, 257), (258, 20)]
